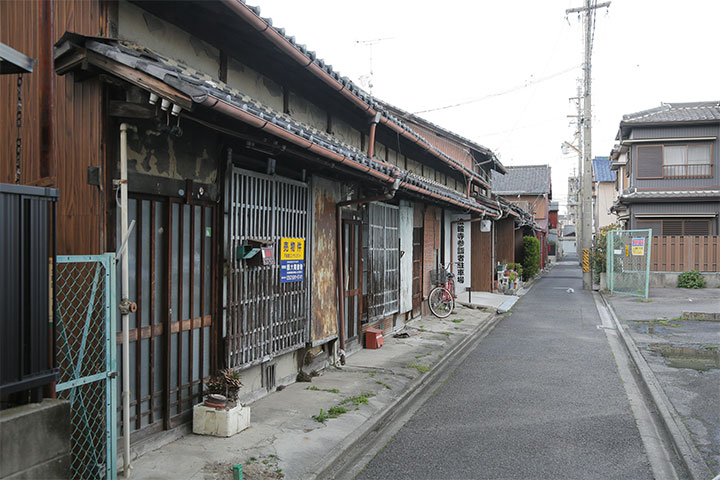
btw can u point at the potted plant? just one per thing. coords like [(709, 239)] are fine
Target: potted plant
[(221, 414)]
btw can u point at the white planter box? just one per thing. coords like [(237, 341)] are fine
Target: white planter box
[(220, 422)]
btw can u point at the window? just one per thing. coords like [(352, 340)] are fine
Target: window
[(674, 161), (677, 226), (381, 260)]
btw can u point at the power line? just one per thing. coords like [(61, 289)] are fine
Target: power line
[(498, 94)]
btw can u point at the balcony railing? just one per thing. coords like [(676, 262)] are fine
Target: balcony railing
[(698, 170)]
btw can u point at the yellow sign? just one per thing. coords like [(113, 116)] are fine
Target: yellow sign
[(627, 250), (292, 248)]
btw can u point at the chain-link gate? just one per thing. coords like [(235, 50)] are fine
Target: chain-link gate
[(85, 336), (628, 261)]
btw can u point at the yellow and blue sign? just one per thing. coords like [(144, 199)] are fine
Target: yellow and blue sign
[(292, 259)]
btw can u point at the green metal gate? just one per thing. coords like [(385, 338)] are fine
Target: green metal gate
[(628, 261), (86, 358)]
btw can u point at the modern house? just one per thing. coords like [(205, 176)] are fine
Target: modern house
[(667, 163), (278, 210), (530, 188), (667, 169), (603, 192)]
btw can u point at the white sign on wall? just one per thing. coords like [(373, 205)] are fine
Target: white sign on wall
[(461, 252)]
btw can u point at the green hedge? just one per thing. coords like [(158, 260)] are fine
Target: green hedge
[(531, 257)]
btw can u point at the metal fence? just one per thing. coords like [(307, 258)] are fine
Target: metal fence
[(85, 333), (628, 261)]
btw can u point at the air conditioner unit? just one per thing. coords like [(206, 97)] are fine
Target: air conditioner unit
[(485, 225)]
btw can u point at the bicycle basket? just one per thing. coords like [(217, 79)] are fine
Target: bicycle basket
[(438, 277)]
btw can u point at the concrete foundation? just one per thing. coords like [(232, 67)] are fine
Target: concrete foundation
[(35, 440), (670, 279)]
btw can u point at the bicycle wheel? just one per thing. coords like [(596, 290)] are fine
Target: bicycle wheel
[(441, 302)]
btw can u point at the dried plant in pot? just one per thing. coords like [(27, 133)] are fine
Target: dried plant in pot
[(227, 383), (221, 414)]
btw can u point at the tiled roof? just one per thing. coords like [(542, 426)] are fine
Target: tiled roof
[(522, 180), (368, 99), (676, 112), (601, 170), (199, 86)]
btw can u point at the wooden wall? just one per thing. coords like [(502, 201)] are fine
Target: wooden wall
[(481, 270), (77, 121)]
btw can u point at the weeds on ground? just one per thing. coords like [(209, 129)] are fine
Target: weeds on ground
[(380, 382), (458, 320), (339, 409), (316, 389), (334, 412), (420, 368)]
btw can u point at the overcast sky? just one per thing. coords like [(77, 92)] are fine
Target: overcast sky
[(519, 59)]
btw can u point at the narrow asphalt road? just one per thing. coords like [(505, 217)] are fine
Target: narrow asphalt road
[(539, 398)]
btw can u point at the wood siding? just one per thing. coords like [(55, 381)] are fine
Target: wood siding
[(78, 123), (684, 253), (481, 263)]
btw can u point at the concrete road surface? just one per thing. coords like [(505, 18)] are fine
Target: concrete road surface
[(539, 398)]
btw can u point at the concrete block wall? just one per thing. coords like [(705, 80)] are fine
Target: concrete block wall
[(670, 279), (35, 440)]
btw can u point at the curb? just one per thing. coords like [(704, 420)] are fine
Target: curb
[(670, 419), (337, 459)]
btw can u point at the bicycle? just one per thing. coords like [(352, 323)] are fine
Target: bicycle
[(442, 298)]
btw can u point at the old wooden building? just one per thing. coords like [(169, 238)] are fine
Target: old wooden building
[(279, 210)]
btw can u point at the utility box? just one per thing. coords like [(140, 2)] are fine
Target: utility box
[(373, 338)]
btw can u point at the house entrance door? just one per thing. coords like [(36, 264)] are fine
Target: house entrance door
[(171, 270), (352, 276), (417, 253)]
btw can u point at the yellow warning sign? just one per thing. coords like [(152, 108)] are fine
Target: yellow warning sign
[(292, 248), (586, 259)]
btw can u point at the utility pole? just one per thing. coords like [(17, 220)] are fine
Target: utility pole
[(588, 13)]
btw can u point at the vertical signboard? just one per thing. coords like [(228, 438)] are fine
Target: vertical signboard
[(461, 250), (292, 259), (638, 246)]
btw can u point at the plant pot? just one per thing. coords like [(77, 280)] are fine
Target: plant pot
[(220, 422)]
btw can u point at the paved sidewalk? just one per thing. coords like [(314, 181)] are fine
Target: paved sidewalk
[(684, 356), (284, 441)]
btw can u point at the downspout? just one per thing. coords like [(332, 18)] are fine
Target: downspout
[(125, 305), (371, 140), (341, 261), (47, 93)]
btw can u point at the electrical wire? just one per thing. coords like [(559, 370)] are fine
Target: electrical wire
[(498, 94)]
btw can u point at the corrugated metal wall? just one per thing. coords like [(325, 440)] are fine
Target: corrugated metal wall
[(326, 194), (78, 122)]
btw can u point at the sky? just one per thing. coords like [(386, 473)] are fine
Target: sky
[(515, 65)]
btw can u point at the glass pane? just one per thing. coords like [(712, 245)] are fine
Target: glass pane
[(676, 155), (698, 154)]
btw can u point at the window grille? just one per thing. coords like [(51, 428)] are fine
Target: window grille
[(381, 259)]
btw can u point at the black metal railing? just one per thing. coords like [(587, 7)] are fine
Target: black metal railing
[(699, 170), (27, 249)]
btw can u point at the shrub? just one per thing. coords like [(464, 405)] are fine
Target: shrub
[(691, 279), (531, 257), (598, 252)]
